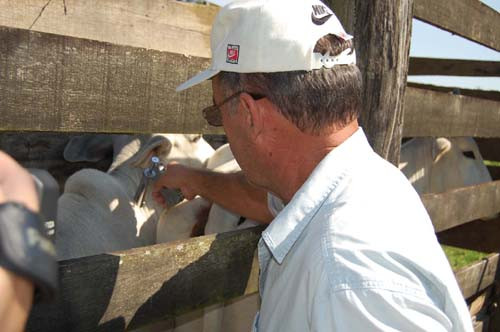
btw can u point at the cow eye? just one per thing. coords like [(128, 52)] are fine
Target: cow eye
[(469, 154)]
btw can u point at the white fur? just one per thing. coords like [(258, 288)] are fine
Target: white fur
[(436, 165), (96, 212)]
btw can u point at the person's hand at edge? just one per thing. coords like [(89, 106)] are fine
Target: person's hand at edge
[(16, 293)]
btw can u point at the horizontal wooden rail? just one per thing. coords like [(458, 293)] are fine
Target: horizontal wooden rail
[(483, 94), (138, 287), (458, 206), (133, 288), (433, 113), (475, 278), (470, 19), (66, 84), (453, 67), (162, 25)]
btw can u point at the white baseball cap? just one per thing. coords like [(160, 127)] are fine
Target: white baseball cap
[(263, 36)]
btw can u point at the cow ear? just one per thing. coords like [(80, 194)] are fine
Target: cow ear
[(158, 145), (441, 146), (91, 148)]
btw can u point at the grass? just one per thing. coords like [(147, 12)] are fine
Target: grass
[(459, 258)]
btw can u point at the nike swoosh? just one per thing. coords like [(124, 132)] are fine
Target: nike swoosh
[(321, 20)]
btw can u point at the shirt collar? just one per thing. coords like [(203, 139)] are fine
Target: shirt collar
[(290, 223)]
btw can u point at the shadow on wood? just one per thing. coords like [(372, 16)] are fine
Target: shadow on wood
[(479, 235), (490, 150), (138, 287), (80, 283), (45, 150), (198, 285)]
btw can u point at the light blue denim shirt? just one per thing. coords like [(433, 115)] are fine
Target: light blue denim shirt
[(354, 250)]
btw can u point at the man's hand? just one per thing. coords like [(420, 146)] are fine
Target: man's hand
[(16, 184), (229, 190), (16, 293), (16, 298), (177, 176)]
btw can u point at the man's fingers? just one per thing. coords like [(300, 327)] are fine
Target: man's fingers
[(158, 197), (16, 184)]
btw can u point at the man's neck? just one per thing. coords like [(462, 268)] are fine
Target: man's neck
[(299, 154)]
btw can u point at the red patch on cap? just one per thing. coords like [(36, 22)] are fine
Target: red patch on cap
[(233, 54)]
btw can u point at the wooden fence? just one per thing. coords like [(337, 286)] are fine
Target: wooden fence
[(436, 111), (109, 66)]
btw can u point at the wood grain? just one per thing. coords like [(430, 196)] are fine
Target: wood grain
[(162, 25), (382, 33), (470, 19), (433, 113), (129, 289), (483, 94), (66, 84), (459, 206), (453, 67), (478, 276)]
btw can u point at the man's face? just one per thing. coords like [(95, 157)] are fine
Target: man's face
[(236, 128)]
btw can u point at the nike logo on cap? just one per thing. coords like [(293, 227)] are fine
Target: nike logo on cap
[(320, 14)]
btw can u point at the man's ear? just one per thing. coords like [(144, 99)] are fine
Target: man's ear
[(254, 112)]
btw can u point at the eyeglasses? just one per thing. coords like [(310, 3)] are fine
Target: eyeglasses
[(212, 114)]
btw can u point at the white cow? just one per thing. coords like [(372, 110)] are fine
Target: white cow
[(436, 165), (96, 212)]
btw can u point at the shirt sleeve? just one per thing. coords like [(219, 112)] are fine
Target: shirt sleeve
[(368, 309)]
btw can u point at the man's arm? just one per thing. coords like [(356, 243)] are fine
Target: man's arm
[(230, 190), (15, 301), (16, 293)]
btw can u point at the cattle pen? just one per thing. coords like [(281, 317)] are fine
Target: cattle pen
[(107, 66)]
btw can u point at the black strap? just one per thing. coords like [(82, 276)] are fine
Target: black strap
[(25, 248)]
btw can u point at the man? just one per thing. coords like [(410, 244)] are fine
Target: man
[(349, 246), (23, 264)]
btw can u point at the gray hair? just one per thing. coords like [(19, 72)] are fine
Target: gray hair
[(312, 100)]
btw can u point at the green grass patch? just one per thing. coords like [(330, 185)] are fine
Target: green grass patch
[(492, 163), (459, 257)]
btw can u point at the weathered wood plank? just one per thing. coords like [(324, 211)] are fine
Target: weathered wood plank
[(484, 94), (481, 302), (476, 277), (432, 113), (129, 289), (470, 19), (478, 326), (55, 83), (458, 206), (453, 67), (345, 12), (382, 31), (162, 25), (111, 292)]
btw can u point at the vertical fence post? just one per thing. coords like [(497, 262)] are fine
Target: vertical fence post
[(382, 32)]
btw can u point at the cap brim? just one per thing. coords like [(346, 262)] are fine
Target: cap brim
[(203, 76)]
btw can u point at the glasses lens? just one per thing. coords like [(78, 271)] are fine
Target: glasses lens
[(213, 116)]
